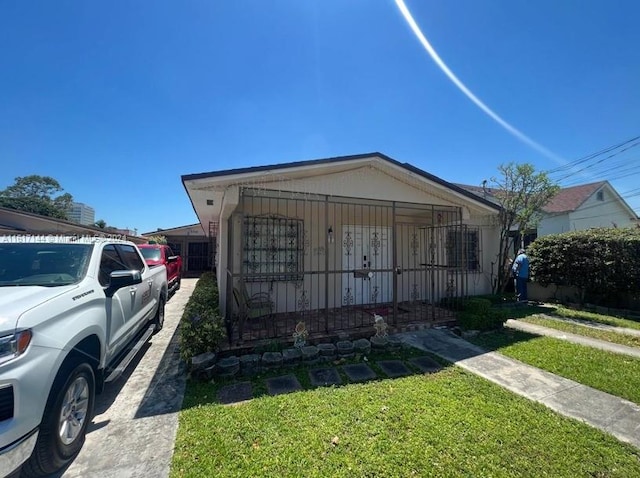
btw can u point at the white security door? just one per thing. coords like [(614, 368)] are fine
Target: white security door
[(366, 254), (379, 260)]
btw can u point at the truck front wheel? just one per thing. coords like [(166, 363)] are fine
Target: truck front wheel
[(67, 414)]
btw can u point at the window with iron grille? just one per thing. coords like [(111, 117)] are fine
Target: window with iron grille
[(463, 249), (273, 248)]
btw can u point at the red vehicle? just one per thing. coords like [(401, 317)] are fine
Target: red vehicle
[(158, 254)]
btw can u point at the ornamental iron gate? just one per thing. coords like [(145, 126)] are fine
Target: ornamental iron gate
[(334, 264)]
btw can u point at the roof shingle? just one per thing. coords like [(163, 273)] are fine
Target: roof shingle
[(570, 199)]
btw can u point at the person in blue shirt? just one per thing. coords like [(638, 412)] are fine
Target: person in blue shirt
[(520, 270)]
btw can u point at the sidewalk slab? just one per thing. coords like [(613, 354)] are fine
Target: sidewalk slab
[(611, 414)]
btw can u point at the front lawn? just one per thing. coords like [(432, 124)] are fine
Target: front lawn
[(576, 328), (613, 373), (599, 318), (450, 423)]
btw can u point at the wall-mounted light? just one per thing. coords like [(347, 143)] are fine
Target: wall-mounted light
[(330, 235)]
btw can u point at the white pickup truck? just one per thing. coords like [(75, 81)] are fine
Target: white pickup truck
[(73, 314)]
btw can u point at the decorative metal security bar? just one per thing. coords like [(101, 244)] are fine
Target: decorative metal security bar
[(333, 264)]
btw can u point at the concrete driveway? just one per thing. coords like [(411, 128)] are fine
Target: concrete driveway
[(136, 417)]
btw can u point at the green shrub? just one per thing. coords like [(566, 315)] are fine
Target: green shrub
[(479, 314), (602, 263), (201, 327)]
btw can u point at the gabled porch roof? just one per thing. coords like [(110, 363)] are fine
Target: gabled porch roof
[(207, 190)]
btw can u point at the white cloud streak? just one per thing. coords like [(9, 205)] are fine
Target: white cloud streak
[(468, 93)]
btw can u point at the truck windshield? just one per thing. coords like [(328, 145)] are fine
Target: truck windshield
[(47, 265), (150, 254)]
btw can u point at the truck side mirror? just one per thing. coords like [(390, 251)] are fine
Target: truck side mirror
[(172, 258), (120, 279)]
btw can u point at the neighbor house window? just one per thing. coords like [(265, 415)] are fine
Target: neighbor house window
[(273, 249), (600, 195), (463, 249)]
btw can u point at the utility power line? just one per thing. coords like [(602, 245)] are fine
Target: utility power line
[(583, 159)]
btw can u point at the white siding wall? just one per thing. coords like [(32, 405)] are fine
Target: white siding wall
[(553, 225), (595, 213), (608, 212)]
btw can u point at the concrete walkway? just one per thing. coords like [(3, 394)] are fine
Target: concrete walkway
[(619, 417), (136, 417), (575, 338)]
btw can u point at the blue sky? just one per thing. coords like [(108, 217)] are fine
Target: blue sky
[(117, 99)]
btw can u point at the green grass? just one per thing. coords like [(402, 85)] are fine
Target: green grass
[(599, 318), (613, 373), (574, 328), (446, 424)]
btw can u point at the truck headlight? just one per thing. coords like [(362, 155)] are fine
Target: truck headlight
[(14, 345)]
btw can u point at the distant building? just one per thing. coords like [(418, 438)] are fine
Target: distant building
[(575, 208), (82, 214)]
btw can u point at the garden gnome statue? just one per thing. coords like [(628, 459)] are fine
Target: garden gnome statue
[(380, 325)]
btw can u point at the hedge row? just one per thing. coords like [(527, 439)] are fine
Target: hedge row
[(201, 327), (599, 262), (477, 312)]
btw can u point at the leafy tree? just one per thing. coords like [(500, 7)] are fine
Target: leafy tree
[(158, 238), (37, 194), (521, 192), (100, 223)]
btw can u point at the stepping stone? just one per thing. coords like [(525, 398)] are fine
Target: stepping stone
[(291, 356), (394, 368), (379, 343), (345, 348), (327, 350), (359, 372), (394, 342), (426, 364), (249, 364), (271, 360), (202, 361), (228, 367), (234, 393), (310, 354), (362, 346), (322, 377), (283, 384)]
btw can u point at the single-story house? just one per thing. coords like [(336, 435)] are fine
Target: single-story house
[(586, 206), (576, 208), (196, 247), (14, 222), (328, 244)]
